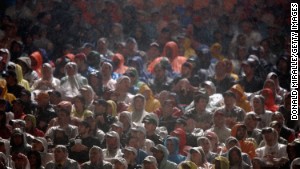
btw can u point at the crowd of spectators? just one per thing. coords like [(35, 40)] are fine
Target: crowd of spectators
[(152, 84)]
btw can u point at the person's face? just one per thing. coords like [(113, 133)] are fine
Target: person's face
[(269, 137), (247, 69), (18, 139), (59, 155), (111, 142), (159, 155), (17, 107), (118, 165), (106, 69), (250, 122), (148, 165), (28, 123), (219, 120), (37, 146), (32, 160), (229, 101), (159, 72), (167, 108), (47, 72), (170, 146), (234, 157), (95, 156), (117, 129), (70, 70), (220, 69), (201, 104), (82, 129), (205, 145), (257, 105), (240, 133), (129, 156), (78, 105), (62, 116), (139, 104), (196, 157), (185, 71), (150, 127), (133, 142), (99, 108)]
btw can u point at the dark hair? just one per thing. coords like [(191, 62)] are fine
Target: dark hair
[(37, 156)]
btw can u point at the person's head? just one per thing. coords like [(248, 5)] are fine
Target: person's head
[(39, 144), (130, 154), (241, 131), (220, 69), (219, 118), (231, 142), (201, 101), (204, 142), (123, 84), (125, 118), (84, 128), (213, 138), (119, 163), (60, 154), (197, 156), (138, 102), (34, 158), (96, 155), (160, 152), (234, 156), (54, 97), (106, 68), (251, 120), (64, 109), (210, 87), (149, 162), (229, 98), (112, 140), (47, 71), (18, 106), (30, 121), (270, 136), (71, 69), (186, 69), (150, 123), (79, 103), (42, 99), (80, 60), (248, 67), (278, 116), (117, 127), (276, 125), (100, 106), (159, 71), (258, 104)]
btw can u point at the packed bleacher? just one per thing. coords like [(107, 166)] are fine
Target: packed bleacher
[(152, 84)]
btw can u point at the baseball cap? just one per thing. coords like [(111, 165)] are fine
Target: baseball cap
[(158, 147), (150, 159), (229, 93), (267, 130), (120, 160), (112, 134), (131, 149), (118, 124), (139, 128), (151, 118)]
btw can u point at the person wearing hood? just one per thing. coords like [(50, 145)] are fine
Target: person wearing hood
[(5, 128), (12, 83), (121, 93), (172, 144), (205, 143), (79, 108), (181, 135), (152, 103), (18, 69), (161, 153), (30, 126), (197, 155), (29, 74), (135, 82), (241, 98), (273, 153), (171, 52), (113, 149), (83, 68), (239, 131), (138, 64), (47, 80), (40, 145), (138, 108), (279, 90), (18, 109), (270, 105), (118, 63), (18, 142), (36, 62), (96, 160), (258, 107), (72, 82), (35, 160), (283, 131), (251, 120), (235, 159)]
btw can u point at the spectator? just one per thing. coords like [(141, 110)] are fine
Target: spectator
[(96, 159), (61, 159), (34, 159), (235, 158), (161, 154), (113, 146), (40, 145), (18, 142), (258, 107), (196, 155), (30, 126), (172, 144)]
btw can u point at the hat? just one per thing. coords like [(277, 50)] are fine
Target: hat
[(9, 73), (139, 128), (120, 160), (112, 134), (80, 56), (26, 60), (158, 147), (181, 120), (151, 118), (40, 139), (65, 106), (249, 61), (131, 149), (118, 124), (195, 149), (267, 130), (150, 159), (229, 93)]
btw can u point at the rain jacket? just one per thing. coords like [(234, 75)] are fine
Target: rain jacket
[(39, 62), (270, 101), (165, 163), (246, 146), (242, 102), (224, 163), (33, 131), (152, 104), (176, 61), (119, 60), (20, 78), (113, 106), (138, 63), (4, 94), (137, 117), (175, 156), (180, 133), (45, 156), (24, 147)]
